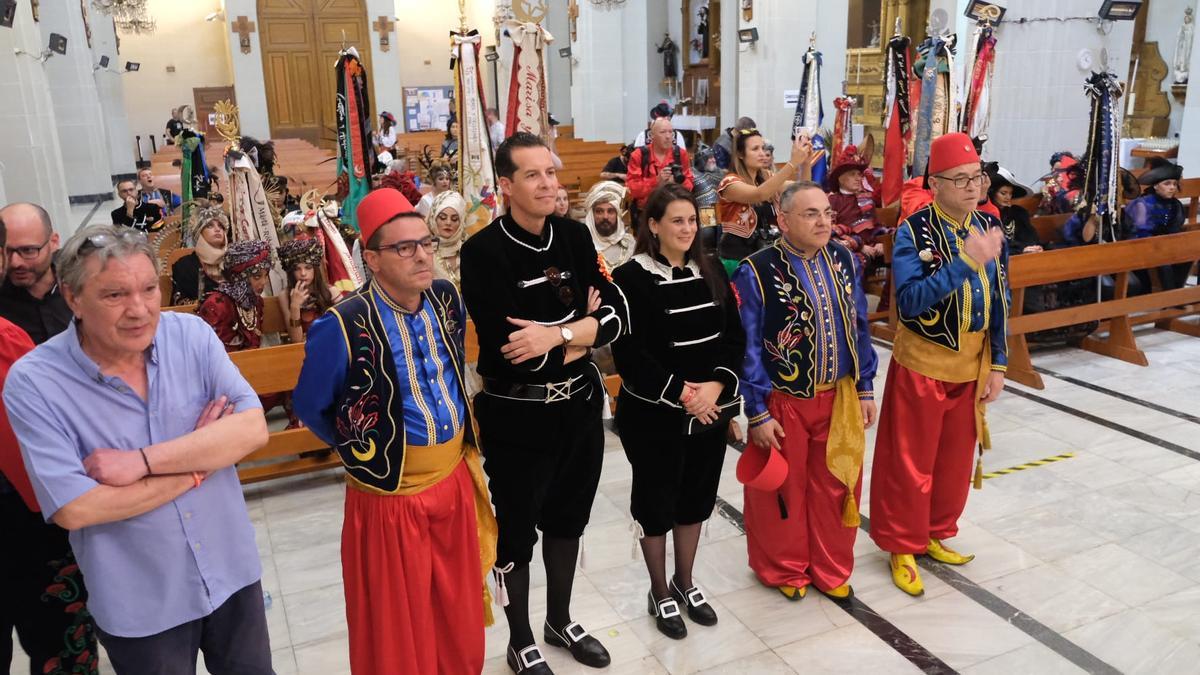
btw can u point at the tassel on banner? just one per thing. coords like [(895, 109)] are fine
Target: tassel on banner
[(850, 512)]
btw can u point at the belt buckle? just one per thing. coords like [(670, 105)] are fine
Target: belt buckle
[(558, 391)]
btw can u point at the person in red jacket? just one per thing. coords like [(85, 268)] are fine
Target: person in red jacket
[(657, 163), (44, 596)]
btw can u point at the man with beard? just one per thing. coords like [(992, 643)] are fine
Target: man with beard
[(605, 220), (30, 297)]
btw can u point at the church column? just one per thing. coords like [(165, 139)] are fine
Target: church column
[(77, 110), (388, 91), (110, 89), (249, 83), (29, 156)]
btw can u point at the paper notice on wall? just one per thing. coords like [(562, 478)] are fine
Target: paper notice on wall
[(790, 98)]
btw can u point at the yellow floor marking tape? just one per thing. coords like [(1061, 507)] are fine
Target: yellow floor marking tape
[(1029, 465)]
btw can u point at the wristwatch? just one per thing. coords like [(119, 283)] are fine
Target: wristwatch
[(567, 335)]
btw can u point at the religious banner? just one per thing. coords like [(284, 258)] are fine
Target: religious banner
[(810, 112), (976, 110), (194, 178), (476, 173), (843, 126), (527, 103), (935, 113), (354, 134), (898, 122), (340, 270), (1100, 163)]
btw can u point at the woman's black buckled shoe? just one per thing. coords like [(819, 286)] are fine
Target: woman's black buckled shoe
[(698, 609), (666, 616), (528, 660), (575, 639)]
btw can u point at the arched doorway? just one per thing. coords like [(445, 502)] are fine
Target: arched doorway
[(301, 40)]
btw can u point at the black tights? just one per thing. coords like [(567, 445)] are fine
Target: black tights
[(559, 556), (654, 550)]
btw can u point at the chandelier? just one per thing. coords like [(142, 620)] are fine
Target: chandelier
[(129, 15), (608, 4)]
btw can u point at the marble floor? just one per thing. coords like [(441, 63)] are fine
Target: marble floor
[(1087, 564)]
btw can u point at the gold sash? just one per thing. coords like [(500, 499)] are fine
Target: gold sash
[(426, 466), (846, 444)]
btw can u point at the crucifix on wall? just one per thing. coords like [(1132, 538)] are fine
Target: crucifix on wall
[(573, 17), (384, 26), (243, 27)]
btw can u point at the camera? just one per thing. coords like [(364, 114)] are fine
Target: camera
[(677, 173)]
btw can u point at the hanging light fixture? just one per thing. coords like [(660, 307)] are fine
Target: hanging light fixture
[(130, 16), (608, 4)]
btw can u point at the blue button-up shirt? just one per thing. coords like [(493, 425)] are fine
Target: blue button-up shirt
[(182, 560), (434, 406)]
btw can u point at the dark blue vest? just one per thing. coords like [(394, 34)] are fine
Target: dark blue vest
[(787, 312), (370, 415)]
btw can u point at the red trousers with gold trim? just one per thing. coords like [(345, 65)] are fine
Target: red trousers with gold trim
[(924, 453), (411, 570), (795, 535)]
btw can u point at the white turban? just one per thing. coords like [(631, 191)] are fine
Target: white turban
[(602, 192)]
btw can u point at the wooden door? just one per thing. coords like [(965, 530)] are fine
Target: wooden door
[(205, 100), (301, 40)]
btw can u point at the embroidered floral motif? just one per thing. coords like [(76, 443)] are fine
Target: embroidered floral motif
[(784, 346), (603, 266), (358, 419), (79, 653)]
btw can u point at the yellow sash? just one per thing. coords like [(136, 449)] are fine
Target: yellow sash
[(846, 444), (426, 466)]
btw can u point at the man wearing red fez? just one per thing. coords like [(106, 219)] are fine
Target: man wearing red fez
[(950, 268), (382, 383), (808, 378)]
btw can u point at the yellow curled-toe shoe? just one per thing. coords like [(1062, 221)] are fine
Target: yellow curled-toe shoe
[(905, 574), (840, 593), (945, 554), (793, 593)]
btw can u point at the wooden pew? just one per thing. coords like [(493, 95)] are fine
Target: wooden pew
[(1122, 312), (272, 370), (1049, 228)]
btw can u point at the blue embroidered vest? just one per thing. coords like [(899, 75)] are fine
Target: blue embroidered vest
[(370, 416), (942, 323), (787, 333)]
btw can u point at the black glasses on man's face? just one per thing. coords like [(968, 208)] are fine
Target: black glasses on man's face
[(26, 252), (961, 182), (408, 247)]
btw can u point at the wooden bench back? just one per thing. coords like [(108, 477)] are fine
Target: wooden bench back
[(1029, 202), (1049, 228), (1100, 259)]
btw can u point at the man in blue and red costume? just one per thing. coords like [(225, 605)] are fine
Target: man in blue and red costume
[(950, 265), (383, 384), (808, 378)]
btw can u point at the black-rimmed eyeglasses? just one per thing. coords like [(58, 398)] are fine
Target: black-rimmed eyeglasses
[(408, 247)]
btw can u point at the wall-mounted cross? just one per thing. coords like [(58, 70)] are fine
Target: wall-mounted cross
[(573, 17), (384, 26), (243, 27)]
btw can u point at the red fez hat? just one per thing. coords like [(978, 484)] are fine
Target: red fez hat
[(761, 468), (378, 208), (950, 150)]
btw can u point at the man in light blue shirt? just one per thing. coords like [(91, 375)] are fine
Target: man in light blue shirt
[(130, 423)]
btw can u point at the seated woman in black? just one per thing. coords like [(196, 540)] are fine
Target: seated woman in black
[(1018, 229), (678, 366), (195, 274)]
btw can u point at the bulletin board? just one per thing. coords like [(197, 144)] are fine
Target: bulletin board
[(427, 108)]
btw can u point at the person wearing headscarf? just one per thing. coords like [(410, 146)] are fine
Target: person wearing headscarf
[(1018, 228), (447, 222), (198, 273), (235, 308), (309, 294), (605, 220)]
